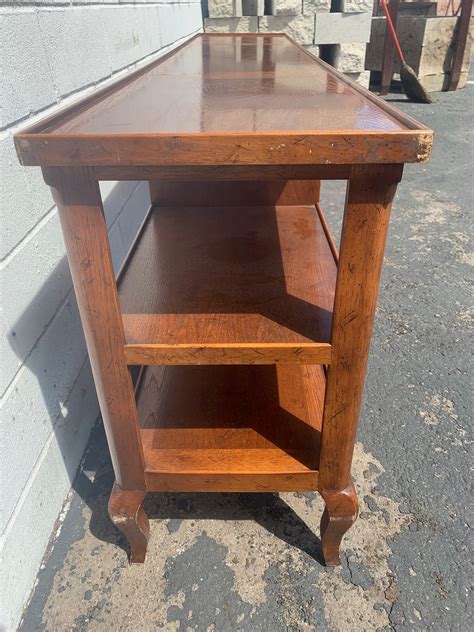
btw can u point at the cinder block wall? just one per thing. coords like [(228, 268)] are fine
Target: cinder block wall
[(334, 30), (52, 52)]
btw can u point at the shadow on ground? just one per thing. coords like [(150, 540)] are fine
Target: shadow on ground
[(270, 511)]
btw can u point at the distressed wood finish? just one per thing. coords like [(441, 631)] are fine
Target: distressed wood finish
[(243, 193), (340, 513), (237, 100), (366, 218), (237, 353), (251, 285), (77, 197), (223, 173), (230, 286), (126, 512), (303, 148)]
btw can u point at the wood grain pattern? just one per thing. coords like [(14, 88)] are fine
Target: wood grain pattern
[(339, 515), (77, 197), (204, 280), (232, 84), (226, 173), (292, 148), (366, 217), (243, 193), (236, 428), (368, 203), (237, 353), (228, 101), (127, 514), (227, 482)]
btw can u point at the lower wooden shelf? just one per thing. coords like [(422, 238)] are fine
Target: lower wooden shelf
[(231, 428)]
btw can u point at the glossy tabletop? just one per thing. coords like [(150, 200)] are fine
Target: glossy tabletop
[(254, 86)]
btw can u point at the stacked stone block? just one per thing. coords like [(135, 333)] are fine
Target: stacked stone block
[(253, 7), (428, 45), (286, 7), (225, 8), (335, 30), (233, 16), (342, 36)]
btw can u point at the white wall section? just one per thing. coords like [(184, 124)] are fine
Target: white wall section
[(53, 52)]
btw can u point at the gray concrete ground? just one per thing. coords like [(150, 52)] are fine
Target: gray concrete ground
[(253, 562)]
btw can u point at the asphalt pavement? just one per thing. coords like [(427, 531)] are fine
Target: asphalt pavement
[(248, 562)]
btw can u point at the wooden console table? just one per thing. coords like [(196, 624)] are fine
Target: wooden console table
[(251, 332)]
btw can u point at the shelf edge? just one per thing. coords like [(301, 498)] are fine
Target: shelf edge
[(263, 483), (229, 353)]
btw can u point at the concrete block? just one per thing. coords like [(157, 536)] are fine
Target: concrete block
[(10, 362), (440, 82), (231, 25), (253, 7), (27, 82), (316, 6), (342, 28), (148, 25), (314, 50), (427, 44), (363, 78), (418, 8), (41, 503), (348, 57), (299, 27), (133, 214), (286, 7), (38, 401), (225, 8), (36, 280), (24, 197), (115, 195), (352, 6), (437, 45), (77, 47), (124, 209), (117, 247), (176, 21), (133, 32), (374, 52)]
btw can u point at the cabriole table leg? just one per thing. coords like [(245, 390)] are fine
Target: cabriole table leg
[(369, 198), (77, 196), (126, 512)]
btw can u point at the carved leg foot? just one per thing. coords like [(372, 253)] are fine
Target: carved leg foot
[(127, 514), (339, 515)]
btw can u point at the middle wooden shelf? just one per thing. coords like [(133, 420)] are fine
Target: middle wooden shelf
[(229, 285)]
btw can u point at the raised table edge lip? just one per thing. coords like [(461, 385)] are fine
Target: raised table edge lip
[(34, 147)]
